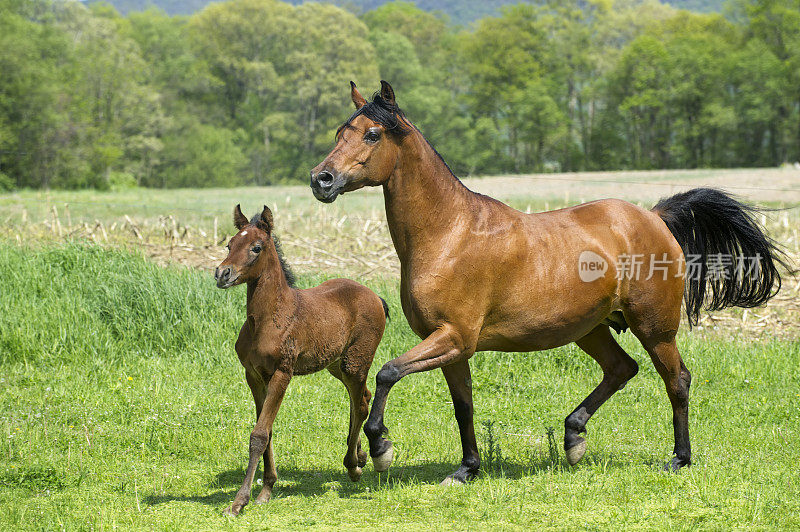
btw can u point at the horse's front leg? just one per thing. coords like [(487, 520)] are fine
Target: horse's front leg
[(261, 435), (443, 347), (459, 380)]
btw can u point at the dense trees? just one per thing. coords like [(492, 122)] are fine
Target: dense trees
[(251, 91), (459, 11)]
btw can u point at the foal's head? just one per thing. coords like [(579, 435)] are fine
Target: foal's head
[(367, 146), (252, 251)]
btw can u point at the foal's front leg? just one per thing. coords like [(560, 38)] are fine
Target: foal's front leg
[(270, 474), (259, 391), (261, 436)]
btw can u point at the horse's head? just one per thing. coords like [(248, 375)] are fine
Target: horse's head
[(367, 146), (247, 250)]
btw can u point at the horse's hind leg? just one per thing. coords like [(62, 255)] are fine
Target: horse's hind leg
[(668, 363), (618, 368), (355, 458)]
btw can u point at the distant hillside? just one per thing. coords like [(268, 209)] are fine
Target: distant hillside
[(459, 11)]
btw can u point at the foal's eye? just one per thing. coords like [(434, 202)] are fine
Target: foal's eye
[(372, 136), (256, 249)]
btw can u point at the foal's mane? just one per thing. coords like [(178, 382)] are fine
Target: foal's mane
[(287, 270)]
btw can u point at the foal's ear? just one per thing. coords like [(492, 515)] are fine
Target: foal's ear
[(239, 219), (387, 93), (358, 100), (265, 222)]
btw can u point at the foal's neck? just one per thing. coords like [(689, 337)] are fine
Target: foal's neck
[(423, 198), (269, 296)]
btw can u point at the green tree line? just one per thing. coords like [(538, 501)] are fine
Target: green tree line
[(252, 91), (459, 11)]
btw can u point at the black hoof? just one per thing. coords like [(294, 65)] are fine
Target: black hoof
[(379, 446), (462, 476), (676, 463)]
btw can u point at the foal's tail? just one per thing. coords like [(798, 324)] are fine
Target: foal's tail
[(730, 261), (385, 307)]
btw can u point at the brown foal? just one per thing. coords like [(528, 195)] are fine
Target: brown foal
[(335, 326), (478, 275)]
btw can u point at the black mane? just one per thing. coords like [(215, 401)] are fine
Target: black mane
[(387, 114), (287, 270)]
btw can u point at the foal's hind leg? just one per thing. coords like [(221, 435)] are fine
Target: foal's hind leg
[(618, 368), (355, 458)]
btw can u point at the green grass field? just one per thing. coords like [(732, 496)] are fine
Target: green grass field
[(123, 405)]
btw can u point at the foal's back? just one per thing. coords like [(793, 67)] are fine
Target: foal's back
[(339, 320)]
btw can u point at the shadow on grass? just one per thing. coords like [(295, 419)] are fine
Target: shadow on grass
[(293, 481), (314, 482)]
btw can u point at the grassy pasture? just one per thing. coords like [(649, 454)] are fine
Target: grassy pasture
[(122, 405)]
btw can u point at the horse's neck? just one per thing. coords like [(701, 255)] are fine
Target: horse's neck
[(423, 198), (270, 297)]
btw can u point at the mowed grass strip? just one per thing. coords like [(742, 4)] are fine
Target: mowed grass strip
[(122, 404)]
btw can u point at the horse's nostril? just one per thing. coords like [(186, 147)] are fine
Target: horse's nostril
[(325, 179)]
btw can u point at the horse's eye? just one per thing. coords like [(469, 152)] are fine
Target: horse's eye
[(372, 136), (256, 249)]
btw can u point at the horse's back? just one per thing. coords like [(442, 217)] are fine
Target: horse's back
[(549, 278)]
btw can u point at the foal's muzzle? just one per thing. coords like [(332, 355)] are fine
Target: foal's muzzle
[(225, 277), (326, 186)]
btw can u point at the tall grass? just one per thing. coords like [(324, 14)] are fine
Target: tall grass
[(83, 303)]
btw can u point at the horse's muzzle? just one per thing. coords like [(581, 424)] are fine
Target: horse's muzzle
[(326, 186)]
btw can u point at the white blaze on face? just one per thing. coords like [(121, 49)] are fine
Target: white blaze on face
[(243, 233)]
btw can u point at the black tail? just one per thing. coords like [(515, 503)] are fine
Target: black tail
[(385, 307), (730, 261)]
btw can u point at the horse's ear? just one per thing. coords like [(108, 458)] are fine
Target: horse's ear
[(387, 93), (239, 219), (265, 222), (358, 100)]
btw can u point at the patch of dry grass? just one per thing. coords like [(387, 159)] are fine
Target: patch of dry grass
[(351, 238)]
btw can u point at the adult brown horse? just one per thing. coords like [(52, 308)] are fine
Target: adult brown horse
[(335, 326), (478, 275)]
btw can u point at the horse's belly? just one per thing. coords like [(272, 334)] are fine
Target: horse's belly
[(537, 331)]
